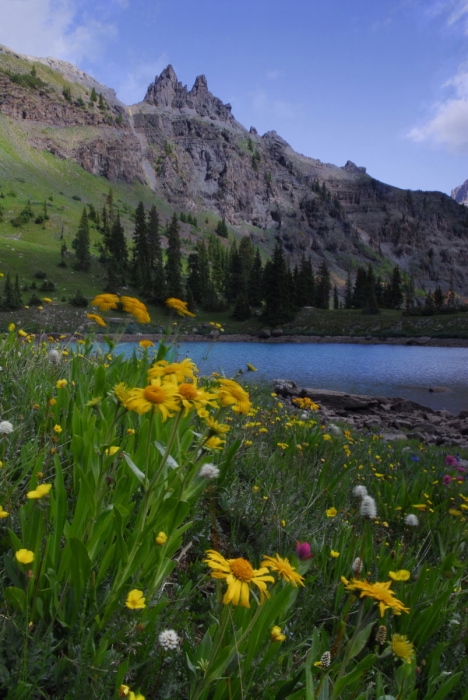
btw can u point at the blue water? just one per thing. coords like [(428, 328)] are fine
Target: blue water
[(376, 370)]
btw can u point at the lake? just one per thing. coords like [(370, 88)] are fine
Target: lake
[(375, 370)]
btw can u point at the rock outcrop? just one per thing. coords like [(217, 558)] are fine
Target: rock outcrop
[(460, 193), (393, 418)]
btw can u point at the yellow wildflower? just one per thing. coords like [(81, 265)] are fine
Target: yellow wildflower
[(284, 569), (179, 306), (230, 393), (97, 319), (40, 491), (334, 554), (146, 344), (61, 383), (331, 512), (180, 370), (135, 600), (239, 575), (276, 635), (105, 301), (214, 443), (380, 592), (3, 513), (58, 429), (192, 397), (402, 648), (401, 575), (111, 451), (160, 395), (24, 556), (161, 538)]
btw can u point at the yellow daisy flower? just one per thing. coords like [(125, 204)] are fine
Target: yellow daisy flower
[(284, 569), (97, 319), (193, 397), (402, 648), (136, 308), (160, 395), (181, 370), (179, 306), (3, 513), (331, 512), (146, 344), (230, 393), (380, 593), (214, 443), (105, 302), (215, 427), (239, 575), (161, 538)]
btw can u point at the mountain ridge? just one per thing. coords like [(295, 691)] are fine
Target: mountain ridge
[(187, 146)]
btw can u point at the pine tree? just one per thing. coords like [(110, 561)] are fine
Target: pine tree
[(8, 301), (204, 267), (93, 96), (141, 270), (371, 306), (396, 294), (360, 289), (438, 297), (173, 268), (193, 281), (81, 245), (348, 293), (322, 293), (118, 249), (254, 284), (336, 301), (221, 228), (242, 308), (278, 304), (158, 284)]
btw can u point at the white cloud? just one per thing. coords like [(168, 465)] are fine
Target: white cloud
[(448, 126), (458, 12), (52, 28), (133, 87), (264, 105)]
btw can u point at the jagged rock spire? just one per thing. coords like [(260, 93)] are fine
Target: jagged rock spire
[(167, 92)]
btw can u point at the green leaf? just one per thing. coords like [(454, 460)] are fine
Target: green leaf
[(354, 675), (170, 461), (358, 643), (139, 474)]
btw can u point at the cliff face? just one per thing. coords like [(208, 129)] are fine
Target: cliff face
[(460, 193), (188, 147)]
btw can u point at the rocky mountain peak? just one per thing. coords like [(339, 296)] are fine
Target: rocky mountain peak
[(168, 93), (460, 193)]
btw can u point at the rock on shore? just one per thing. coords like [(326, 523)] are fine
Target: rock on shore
[(393, 418)]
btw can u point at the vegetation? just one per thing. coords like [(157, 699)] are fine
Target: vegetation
[(142, 511)]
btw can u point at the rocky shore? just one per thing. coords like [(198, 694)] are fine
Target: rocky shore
[(393, 418), (244, 338)]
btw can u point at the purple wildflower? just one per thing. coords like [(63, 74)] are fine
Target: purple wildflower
[(303, 551), (451, 461), (447, 480)]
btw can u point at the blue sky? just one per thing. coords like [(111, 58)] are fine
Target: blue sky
[(383, 83)]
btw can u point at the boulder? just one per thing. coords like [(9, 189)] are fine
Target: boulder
[(264, 333)]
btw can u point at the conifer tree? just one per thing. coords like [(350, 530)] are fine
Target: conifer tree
[(159, 291), (360, 289), (322, 292), (141, 271), (17, 293), (173, 268), (396, 294), (371, 306), (204, 268), (118, 250), (221, 228), (336, 301), (242, 308), (193, 281), (348, 293), (278, 304), (81, 245), (9, 301), (438, 297), (254, 284)]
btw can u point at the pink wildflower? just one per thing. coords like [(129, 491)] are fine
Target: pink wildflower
[(447, 480), (303, 551), (451, 461)]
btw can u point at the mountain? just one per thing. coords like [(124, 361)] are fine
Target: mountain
[(460, 193), (188, 149)]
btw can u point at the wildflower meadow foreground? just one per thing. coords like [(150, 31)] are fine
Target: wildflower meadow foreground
[(170, 535)]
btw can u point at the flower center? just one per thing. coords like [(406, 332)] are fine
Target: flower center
[(187, 391), (154, 394), (241, 569)]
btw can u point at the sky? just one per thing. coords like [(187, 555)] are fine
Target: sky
[(383, 83)]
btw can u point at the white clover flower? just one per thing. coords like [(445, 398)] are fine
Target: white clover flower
[(368, 508), (412, 520), (6, 427), (357, 565), (54, 357), (169, 640), (209, 471), (359, 491)]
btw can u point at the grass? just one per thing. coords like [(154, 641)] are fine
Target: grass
[(134, 523)]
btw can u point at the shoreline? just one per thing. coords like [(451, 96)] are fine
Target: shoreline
[(303, 339)]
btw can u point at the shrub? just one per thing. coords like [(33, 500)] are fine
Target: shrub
[(78, 300)]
